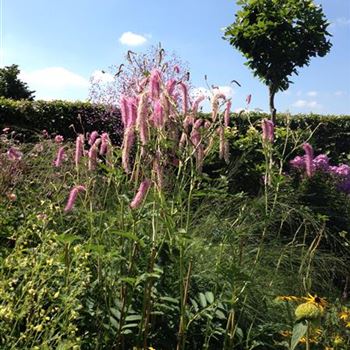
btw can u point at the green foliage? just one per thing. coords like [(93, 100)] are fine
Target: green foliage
[(278, 36), (11, 86), (60, 117)]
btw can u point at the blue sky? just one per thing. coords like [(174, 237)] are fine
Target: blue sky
[(59, 44)]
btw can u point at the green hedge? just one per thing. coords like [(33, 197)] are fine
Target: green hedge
[(59, 117)]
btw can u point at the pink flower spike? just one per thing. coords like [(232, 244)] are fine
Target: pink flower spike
[(248, 99), (309, 157), (155, 83), (141, 121), (73, 196), (227, 113), (267, 130), (92, 138), (184, 91), (105, 142), (158, 114), (196, 103), (124, 110), (132, 112), (215, 104), (59, 158), (79, 148), (93, 155), (170, 86), (14, 154), (141, 194), (129, 138)]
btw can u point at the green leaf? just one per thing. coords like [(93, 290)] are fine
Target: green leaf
[(202, 300), (67, 238), (299, 331), (132, 318), (210, 297)]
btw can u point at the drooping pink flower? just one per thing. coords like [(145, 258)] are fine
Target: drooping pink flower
[(298, 163), (309, 156), (141, 194), (155, 79), (227, 113), (215, 104), (59, 158), (73, 196), (93, 137), (170, 86), (14, 154), (196, 103), (184, 91), (79, 148), (59, 139)]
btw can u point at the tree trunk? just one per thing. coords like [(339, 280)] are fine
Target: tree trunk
[(272, 93)]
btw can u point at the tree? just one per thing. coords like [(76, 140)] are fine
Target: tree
[(277, 37), (11, 86), (108, 86)]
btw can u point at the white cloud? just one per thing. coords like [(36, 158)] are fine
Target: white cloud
[(99, 76), (342, 21), (307, 104), (228, 91), (132, 39), (57, 77), (339, 93), (56, 83), (312, 93)]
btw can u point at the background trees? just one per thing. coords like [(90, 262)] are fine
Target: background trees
[(11, 86), (277, 37)]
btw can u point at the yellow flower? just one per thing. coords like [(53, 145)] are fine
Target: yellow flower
[(309, 311), (321, 302), (338, 340)]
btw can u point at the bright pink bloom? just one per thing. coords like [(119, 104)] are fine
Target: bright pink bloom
[(59, 138), (309, 156), (79, 148), (141, 194), (198, 123), (14, 154), (184, 91), (196, 103), (155, 83), (227, 113), (92, 138), (73, 196), (59, 158)]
